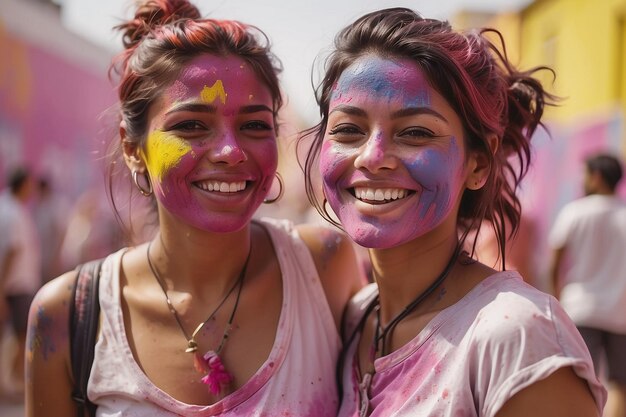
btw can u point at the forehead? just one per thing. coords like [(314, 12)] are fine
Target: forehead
[(217, 75), (384, 78)]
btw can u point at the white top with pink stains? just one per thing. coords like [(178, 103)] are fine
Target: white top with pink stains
[(503, 336), (297, 379)]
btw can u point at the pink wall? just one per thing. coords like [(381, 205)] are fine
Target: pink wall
[(49, 115)]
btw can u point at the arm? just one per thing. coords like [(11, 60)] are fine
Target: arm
[(336, 265), (562, 394), (555, 264), (48, 375)]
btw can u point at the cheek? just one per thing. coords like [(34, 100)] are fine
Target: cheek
[(333, 160), (165, 153), (265, 152), (437, 169)]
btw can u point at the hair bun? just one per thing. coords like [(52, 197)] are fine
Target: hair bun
[(151, 14)]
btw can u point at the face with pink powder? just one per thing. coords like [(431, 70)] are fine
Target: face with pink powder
[(393, 161), (211, 149)]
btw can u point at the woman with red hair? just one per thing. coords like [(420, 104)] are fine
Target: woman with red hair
[(218, 314)]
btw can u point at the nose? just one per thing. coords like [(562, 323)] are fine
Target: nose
[(375, 154), (227, 149)]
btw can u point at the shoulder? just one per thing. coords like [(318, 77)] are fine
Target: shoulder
[(52, 301), (47, 349), (332, 251), (48, 321), (336, 263), (323, 242), (506, 310), (512, 319)]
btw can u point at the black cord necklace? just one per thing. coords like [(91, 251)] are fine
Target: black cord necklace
[(382, 334)]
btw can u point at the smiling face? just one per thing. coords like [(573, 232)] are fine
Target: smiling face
[(393, 160), (211, 149)]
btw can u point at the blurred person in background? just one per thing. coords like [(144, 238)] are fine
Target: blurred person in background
[(588, 271), (91, 230), (50, 212), (217, 314), (19, 266)]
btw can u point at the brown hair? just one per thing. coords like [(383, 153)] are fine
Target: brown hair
[(486, 91)]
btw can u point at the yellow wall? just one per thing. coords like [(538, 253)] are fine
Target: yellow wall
[(584, 41)]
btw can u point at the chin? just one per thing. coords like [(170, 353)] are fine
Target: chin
[(371, 237)]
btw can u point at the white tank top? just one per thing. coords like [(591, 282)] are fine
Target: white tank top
[(297, 379)]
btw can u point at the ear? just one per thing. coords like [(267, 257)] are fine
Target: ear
[(479, 164), (132, 152)]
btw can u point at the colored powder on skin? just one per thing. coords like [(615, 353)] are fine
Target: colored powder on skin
[(164, 151), (383, 79), (209, 94)]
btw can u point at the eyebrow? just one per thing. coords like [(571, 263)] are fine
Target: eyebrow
[(254, 108), (409, 111), (207, 108), (192, 107), (354, 111)]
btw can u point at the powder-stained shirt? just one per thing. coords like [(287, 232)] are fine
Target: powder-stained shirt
[(297, 379), (502, 337)]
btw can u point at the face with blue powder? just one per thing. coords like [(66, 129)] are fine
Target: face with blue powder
[(393, 160)]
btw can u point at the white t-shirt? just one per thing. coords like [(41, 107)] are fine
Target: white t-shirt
[(471, 358), (17, 230), (593, 231)]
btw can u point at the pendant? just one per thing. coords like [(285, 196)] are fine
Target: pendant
[(364, 401), (192, 346), (216, 377)]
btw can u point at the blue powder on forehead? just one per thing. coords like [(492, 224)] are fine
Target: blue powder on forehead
[(384, 79)]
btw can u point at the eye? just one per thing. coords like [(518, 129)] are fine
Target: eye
[(188, 126), (417, 132), (256, 125), (346, 132)]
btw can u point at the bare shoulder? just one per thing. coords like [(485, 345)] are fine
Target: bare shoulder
[(55, 295), (336, 263), (562, 394), (47, 349), (49, 317)]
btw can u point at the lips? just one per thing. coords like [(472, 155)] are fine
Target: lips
[(221, 186), (379, 195)]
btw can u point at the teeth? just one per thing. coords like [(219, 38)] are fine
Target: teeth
[(222, 187), (379, 194)]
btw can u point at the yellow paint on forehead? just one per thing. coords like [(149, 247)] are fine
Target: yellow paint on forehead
[(164, 151), (209, 94)]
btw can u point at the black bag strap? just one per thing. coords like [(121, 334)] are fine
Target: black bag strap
[(84, 318)]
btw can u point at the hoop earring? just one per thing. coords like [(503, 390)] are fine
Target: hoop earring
[(143, 192), (280, 191)]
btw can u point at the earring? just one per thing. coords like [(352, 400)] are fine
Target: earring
[(280, 191), (143, 192)]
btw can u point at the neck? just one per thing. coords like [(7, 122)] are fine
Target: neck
[(404, 272), (198, 261)]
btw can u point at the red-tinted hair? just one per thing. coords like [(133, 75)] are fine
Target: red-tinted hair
[(486, 91), (161, 38)]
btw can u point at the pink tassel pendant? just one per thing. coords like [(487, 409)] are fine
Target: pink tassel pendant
[(216, 378)]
